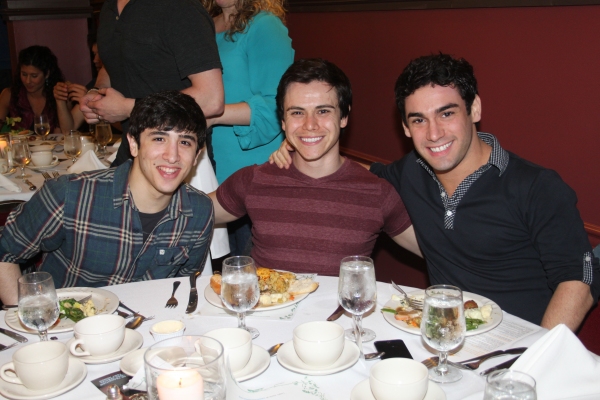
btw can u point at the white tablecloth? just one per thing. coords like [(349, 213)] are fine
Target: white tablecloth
[(150, 299)]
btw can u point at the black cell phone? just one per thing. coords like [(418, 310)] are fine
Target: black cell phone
[(393, 348)]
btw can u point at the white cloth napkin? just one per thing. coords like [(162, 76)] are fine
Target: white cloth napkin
[(9, 185), (89, 161), (561, 366)]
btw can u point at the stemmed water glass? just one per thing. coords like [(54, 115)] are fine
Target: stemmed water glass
[(21, 155), (103, 136), (38, 302), (239, 288), (72, 145), (357, 293), (41, 125), (443, 327)]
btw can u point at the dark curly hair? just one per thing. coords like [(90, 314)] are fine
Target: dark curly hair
[(43, 59), (436, 69), (166, 111)]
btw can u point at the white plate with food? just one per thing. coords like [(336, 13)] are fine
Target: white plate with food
[(105, 302), (493, 314), (278, 289)]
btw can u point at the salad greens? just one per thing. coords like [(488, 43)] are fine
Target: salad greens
[(75, 311)]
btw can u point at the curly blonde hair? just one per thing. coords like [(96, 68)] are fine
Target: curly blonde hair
[(246, 10)]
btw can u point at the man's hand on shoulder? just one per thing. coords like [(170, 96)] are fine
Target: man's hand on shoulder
[(281, 157)]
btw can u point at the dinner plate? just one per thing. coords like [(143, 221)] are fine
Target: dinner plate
[(420, 294), (10, 171), (21, 134), (362, 391), (133, 341), (105, 302), (76, 373), (52, 165), (287, 357), (215, 300)]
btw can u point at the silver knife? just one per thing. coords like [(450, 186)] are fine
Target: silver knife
[(336, 314), (506, 364), (193, 302), (13, 335)]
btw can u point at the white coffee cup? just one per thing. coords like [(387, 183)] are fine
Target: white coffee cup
[(98, 335), (237, 343), (167, 329), (38, 366), (43, 158), (319, 343), (394, 376)]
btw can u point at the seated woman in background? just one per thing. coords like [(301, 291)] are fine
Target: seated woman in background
[(31, 91), (255, 51)]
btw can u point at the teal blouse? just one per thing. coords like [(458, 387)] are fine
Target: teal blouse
[(253, 64)]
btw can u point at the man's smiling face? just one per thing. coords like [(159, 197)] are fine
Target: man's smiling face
[(441, 129), (312, 121), (162, 161)]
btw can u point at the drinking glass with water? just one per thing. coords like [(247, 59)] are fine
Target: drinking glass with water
[(239, 288), (38, 302)]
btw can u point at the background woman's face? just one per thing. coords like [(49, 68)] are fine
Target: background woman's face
[(33, 78), (225, 3)]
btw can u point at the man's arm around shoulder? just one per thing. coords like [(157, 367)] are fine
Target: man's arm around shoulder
[(221, 216)]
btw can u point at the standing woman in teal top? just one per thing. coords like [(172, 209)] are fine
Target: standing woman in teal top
[(255, 51)]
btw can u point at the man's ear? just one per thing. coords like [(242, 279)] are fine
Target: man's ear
[(198, 155), (476, 109), (283, 126), (133, 146), (406, 130), (344, 121)]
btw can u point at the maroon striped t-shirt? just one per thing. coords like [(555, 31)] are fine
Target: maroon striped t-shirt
[(302, 224)]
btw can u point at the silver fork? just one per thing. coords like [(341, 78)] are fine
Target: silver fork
[(46, 175), (172, 302), (416, 304), (3, 347), (55, 174), (432, 362), (85, 299)]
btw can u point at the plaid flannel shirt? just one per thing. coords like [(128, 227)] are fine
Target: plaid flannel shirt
[(89, 231)]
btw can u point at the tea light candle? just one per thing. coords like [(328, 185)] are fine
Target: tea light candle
[(3, 144), (180, 384)]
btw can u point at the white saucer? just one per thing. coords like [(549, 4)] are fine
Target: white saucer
[(362, 391), (258, 363), (75, 375), (133, 341), (41, 168), (287, 357)]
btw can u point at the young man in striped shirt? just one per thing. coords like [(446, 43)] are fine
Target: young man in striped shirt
[(324, 207)]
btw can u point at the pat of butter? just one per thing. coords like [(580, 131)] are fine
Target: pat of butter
[(167, 327)]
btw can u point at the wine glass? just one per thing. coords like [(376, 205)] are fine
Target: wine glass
[(357, 293), (103, 136), (72, 145), (443, 327), (21, 155), (239, 288), (507, 384), (41, 125), (38, 302)]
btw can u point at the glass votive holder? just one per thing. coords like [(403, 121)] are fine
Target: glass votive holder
[(509, 384), (185, 368)]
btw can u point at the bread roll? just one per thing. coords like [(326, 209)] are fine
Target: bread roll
[(215, 283), (302, 286)]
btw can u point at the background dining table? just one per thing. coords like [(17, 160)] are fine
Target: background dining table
[(36, 178), (150, 297)]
